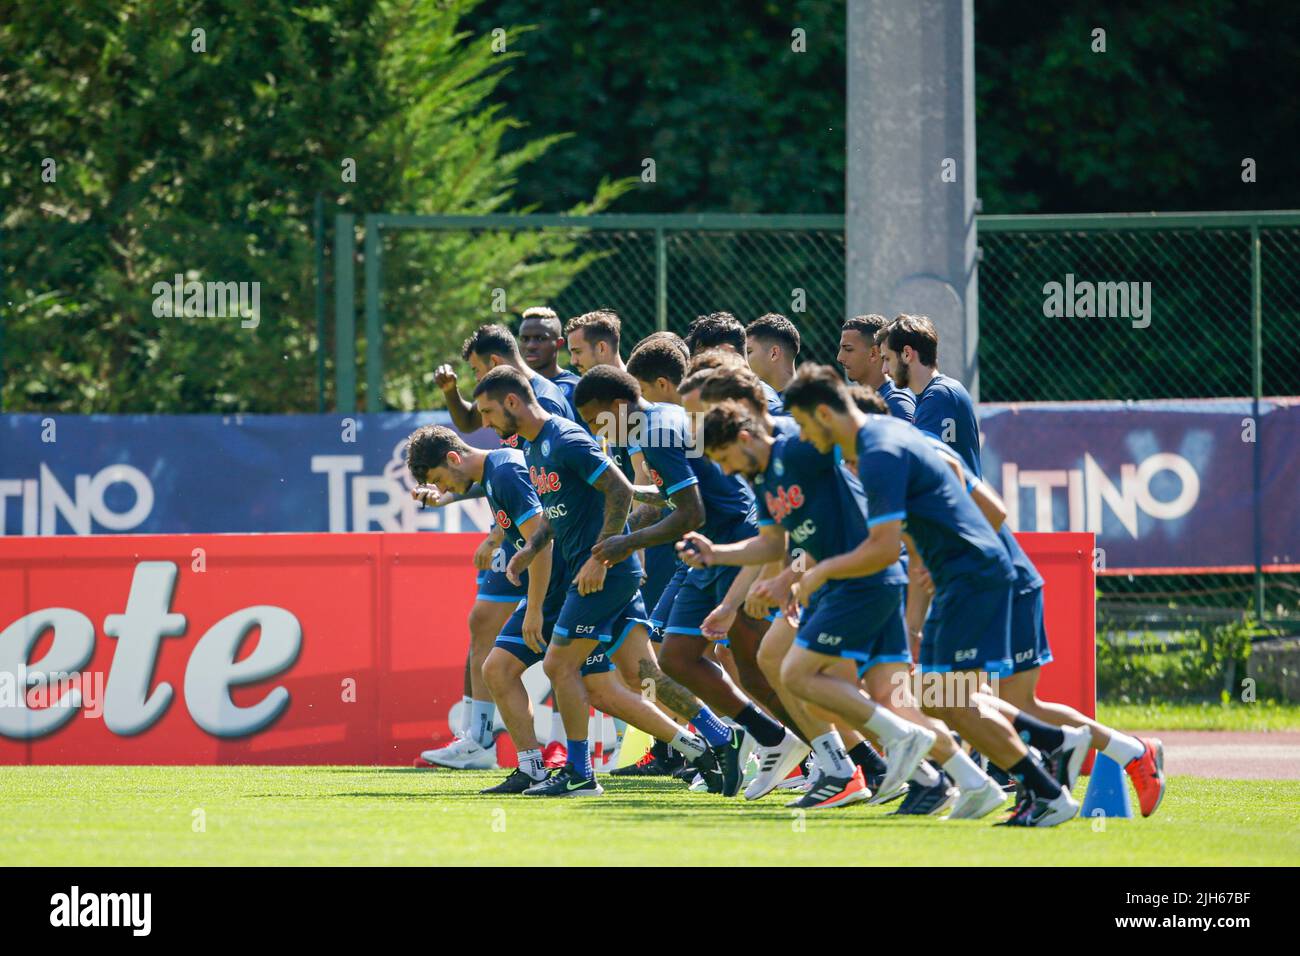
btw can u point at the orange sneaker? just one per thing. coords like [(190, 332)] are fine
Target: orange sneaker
[(1148, 775), (555, 755), (828, 792)]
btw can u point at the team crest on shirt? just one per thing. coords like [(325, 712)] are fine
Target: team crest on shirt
[(783, 501), (778, 466), (487, 486), (546, 448)]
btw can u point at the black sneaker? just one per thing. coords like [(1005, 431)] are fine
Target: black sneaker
[(923, 801), (517, 782), (652, 765), (1035, 811), (728, 757), (565, 783), (706, 765)]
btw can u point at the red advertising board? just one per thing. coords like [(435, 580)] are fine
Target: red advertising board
[(294, 648)]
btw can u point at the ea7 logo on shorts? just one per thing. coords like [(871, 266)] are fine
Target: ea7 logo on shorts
[(595, 659), (830, 639), (1024, 656), (503, 519), (783, 502), (968, 655), (585, 628)]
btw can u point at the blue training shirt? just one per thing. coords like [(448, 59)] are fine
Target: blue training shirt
[(666, 444), (1027, 576), (513, 500), (775, 404), (901, 401), (944, 409), (904, 478), (567, 381), (563, 464), (819, 503)]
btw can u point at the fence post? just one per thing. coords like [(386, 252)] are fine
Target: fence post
[(318, 237), (345, 333), (1256, 391), (661, 282), (2, 321), (374, 333)]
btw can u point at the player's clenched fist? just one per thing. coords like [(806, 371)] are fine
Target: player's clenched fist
[(483, 554), (695, 550), (429, 495), (591, 578), (444, 376)]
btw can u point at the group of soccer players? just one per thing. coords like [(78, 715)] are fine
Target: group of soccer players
[(739, 556)]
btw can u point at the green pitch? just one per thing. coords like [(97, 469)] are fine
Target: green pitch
[(342, 816)]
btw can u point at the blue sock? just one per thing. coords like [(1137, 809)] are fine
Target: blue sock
[(580, 758), (711, 729)]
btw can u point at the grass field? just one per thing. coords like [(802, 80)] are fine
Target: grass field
[(1259, 716), (342, 816)]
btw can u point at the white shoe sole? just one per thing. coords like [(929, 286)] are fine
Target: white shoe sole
[(459, 763), (903, 760), (1063, 811), (764, 784), (884, 796), (982, 802)]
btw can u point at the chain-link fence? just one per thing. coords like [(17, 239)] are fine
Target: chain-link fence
[(1182, 306)]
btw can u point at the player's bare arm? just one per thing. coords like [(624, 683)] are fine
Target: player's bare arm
[(536, 541), (613, 484), (464, 414), (878, 551), (487, 547), (686, 515)]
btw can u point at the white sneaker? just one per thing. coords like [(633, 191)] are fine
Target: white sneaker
[(698, 784), (1036, 812), (884, 796), (903, 757), (1067, 760), (775, 763), (463, 753), (980, 802)]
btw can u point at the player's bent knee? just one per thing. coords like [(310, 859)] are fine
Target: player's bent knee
[(501, 669)]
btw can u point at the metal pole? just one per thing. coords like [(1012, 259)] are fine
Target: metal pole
[(909, 217), (1256, 391), (374, 333), (318, 235), (661, 282), (2, 322), (345, 318)]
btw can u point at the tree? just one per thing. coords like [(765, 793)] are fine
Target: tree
[(193, 140)]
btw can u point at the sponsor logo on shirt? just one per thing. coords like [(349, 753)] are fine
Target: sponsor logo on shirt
[(783, 501), (544, 481), (503, 519)]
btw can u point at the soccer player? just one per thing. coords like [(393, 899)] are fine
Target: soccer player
[(487, 348), (583, 502), (594, 340), (722, 330), (659, 367), (540, 341), (862, 362), (698, 495), (806, 497), (944, 408), (968, 629), (771, 346)]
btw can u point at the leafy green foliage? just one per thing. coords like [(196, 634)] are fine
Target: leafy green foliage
[(207, 164)]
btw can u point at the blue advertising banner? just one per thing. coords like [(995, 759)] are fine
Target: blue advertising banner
[(1163, 484)]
